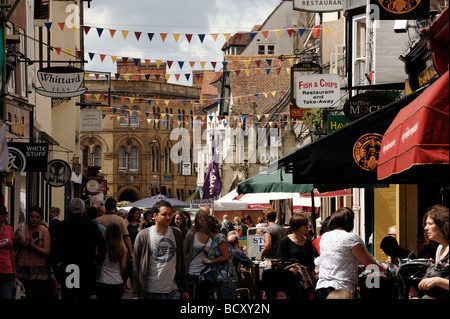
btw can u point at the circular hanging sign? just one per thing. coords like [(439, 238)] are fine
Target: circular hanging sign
[(92, 185), (366, 151), (58, 173)]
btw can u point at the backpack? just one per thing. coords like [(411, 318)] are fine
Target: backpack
[(227, 226)]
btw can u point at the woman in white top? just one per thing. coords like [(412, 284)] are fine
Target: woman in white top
[(196, 247), (341, 254), (436, 229), (109, 283)]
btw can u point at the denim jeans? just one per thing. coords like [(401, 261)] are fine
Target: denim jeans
[(226, 290), (174, 294), (6, 285)]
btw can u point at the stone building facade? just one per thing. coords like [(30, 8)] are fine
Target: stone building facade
[(134, 145)]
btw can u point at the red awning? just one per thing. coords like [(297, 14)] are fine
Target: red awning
[(419, 133)]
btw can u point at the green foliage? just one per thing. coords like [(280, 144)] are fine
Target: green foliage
[(313, 118)]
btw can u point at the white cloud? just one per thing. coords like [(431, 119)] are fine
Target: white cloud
[(168, 16)]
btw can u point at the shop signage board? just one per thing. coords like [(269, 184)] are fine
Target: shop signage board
[(400, 10), (336, 121), (255, 242), (318, 5), (90, 120), (362, 104), (28, 157), (60, 82), (317, 90), (197, 203), (58, 173)]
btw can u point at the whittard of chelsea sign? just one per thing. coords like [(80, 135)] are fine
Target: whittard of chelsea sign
[(318, 5), (61, 82)]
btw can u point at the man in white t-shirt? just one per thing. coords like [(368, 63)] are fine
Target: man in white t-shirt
[(159, 270)]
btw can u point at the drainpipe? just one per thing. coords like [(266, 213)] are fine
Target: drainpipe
[(368, 38)]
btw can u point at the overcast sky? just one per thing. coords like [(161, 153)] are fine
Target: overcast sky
[(168, 16)]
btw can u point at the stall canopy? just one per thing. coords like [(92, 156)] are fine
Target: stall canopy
[(150, 201), (416, 143), (346, 157), (278, 181), (261, 201)]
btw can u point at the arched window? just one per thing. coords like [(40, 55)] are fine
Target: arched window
[(123, 159), (154, 159), (97, 156), (124, 116), (166, 160), (134, 116), (134, 159)]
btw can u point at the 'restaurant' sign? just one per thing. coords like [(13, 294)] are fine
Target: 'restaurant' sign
[(400, 9), (318, 5), (365, 103), (60, 82)]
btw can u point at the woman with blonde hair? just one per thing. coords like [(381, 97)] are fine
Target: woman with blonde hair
[(109, 283), (196, 247)]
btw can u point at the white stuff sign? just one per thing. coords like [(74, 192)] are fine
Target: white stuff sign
[(317, 90)]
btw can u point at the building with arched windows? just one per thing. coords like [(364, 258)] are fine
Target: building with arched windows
[(138, 111)]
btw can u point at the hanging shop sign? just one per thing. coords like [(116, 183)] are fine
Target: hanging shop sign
[(58, 173), (365, 103), (95, 185), (366, 151), (318, 5), (27, 157), (317, 90), (400, 10), (336, 122), (61, 82)]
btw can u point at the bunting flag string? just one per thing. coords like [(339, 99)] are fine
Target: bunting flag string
[(127, 114), (227, 121), (167, 76), (199, 36), (175, 102), (181, 63)]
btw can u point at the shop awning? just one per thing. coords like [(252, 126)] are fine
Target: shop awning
[(416, 143), (278, 181), (347, 156)]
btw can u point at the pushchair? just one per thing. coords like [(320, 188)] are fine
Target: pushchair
[(412, 271), (291, 278), (382, 284)]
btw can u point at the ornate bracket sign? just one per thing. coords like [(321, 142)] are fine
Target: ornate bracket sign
[(60, 82)]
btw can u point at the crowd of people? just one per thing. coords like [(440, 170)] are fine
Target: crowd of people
[(97, 253)]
